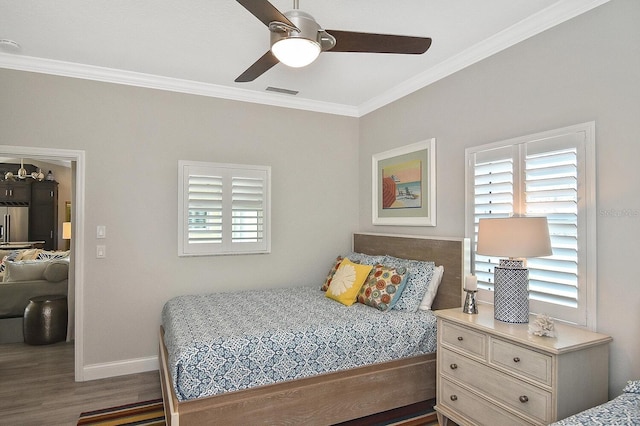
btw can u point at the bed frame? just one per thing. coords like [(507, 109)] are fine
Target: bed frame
[(341, 396)]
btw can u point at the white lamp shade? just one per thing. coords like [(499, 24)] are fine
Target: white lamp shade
[(296, 51), (518, 237), (66, 230)]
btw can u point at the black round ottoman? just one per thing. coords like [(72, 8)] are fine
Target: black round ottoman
[(45, 320)]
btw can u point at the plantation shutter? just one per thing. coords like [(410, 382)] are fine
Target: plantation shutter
[(205, 209), (539, 176), (552, 190), (247, 209), (224, 209), (493, 173), (555, 186)]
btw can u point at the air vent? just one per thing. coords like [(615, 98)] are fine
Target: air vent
[(280, 90)]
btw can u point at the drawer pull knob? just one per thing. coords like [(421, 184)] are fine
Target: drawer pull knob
[(453, 366), (460, 338), (516, 359), (524, 398), (454, 397)]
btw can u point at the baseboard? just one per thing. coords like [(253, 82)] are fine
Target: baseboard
[(120, 368)]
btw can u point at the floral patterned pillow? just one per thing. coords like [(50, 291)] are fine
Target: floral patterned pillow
[(347, 281), (334, 268), (359, 258), (383, 287)]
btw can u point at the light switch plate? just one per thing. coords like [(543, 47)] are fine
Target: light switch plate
[(101, 231), (101, 251)]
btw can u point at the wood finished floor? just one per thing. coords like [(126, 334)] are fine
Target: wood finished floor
[(37, 386)]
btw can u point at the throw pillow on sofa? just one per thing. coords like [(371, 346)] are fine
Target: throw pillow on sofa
[(51, 255), (24, 270), (56, 270)]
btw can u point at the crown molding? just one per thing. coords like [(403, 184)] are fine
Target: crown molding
[(109, 75), (529, 27), (535, 24)]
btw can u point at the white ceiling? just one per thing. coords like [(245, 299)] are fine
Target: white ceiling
[(201, 46)]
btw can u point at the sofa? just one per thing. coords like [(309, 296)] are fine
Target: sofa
[(29, 273), (25, 274)]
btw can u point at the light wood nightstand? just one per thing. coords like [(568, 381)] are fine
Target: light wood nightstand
[(496, 373)]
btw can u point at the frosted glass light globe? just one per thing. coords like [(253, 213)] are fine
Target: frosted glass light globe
[(296, 52)]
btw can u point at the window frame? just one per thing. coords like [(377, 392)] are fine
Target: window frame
[(227, 172), (585, 315)]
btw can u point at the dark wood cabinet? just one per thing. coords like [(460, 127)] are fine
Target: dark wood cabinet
[(15, 192), (43, 214)]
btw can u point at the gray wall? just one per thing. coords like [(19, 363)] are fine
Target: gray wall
[(583, 70), (586, 69), (133, 140)]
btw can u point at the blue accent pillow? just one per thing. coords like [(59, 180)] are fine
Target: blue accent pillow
[(420, 274), (366, 259)]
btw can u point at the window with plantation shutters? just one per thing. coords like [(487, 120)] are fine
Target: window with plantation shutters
[(549, 174), (223, 209)]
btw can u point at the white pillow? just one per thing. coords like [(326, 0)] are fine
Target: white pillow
[(432, 289), (24, 270)]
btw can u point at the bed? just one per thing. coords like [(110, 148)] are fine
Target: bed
[(622, 410), (351, 391)]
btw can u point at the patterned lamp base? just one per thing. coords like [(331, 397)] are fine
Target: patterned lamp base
[(511, 298)]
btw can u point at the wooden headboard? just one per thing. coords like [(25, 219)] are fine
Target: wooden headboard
[(452, 253)]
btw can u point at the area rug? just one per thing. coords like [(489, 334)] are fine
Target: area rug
[(146, 413)]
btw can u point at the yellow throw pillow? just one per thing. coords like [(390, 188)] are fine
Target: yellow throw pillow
[(347, 281)]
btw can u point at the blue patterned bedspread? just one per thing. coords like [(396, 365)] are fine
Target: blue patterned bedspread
[(231, 341), (622, 410)]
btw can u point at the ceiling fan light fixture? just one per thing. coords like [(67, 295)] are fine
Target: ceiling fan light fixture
[(296, 52)]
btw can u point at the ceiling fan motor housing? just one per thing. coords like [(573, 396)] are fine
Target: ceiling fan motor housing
[(308, 27)]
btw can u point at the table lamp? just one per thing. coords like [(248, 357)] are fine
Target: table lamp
[(66, 230), (66, 233), (516, 238)]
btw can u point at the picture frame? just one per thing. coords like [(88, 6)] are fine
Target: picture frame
[(404, 185)]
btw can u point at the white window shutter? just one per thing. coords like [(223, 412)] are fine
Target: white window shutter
[(205, 209), (493, 197), (551, 181), (224, 209), (247, 209), (549, 174)]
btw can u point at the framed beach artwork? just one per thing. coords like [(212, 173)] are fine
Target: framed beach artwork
[(404, 185)]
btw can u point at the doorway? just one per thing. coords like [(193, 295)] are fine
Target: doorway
[(76, 159)]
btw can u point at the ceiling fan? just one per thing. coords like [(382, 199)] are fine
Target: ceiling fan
[(297, 39)]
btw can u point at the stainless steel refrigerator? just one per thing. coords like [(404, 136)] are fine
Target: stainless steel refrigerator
[(15, 224)]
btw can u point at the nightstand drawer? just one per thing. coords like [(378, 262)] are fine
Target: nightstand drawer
[(474, 408), (521, 360), (521, 397), (465, 339)]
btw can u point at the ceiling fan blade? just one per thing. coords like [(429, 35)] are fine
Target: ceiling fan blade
[(265, 11), (259, 67), (349, 41)]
